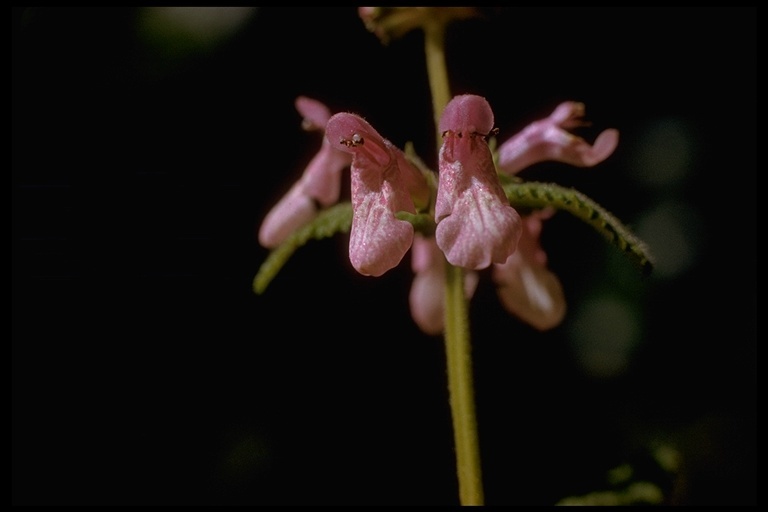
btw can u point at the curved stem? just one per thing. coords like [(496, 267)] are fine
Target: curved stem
[(461, 389)]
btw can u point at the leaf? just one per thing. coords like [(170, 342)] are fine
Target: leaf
[(336, 219), (422, 222), (540, 195)]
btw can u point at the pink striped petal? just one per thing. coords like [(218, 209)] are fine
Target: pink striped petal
[(547, 139), (378, 240), (476, 226)]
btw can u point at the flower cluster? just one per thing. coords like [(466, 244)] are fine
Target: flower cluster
[(475, 227), (473, 216)]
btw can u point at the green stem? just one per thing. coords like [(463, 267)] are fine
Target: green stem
[(461, 389), (458, 347), (434, 45)]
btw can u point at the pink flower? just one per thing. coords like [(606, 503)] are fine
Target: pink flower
[(383, 183), (525, 286), (319, 185), (427, 295), (547, 139), (476, 226)]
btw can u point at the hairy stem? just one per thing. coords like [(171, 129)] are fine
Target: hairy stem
[(458, 351), (458, 347)]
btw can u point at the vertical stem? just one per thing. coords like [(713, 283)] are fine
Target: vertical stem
[(434, 45), (457, 340), (461, 389)]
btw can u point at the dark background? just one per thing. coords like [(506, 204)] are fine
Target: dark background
[(146, 371)]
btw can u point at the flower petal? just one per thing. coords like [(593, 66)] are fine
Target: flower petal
[(525, 286), (322, 178), (427, 294), (476, 226), (378, 240), (532, 293), (315, 113), (547, 139), (291, 212), (319, 185)]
